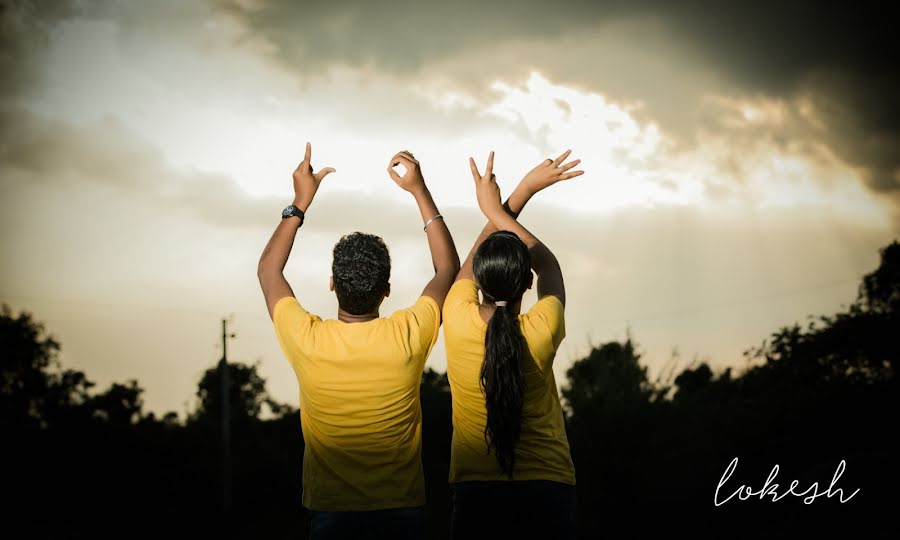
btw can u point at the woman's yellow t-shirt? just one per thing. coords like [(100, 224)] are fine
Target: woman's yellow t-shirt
[(359, 403), (543, 449)]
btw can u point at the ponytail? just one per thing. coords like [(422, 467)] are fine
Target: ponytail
[(502, 268), (504, 388)]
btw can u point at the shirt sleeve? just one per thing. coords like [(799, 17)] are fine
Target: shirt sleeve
[(462, 294), (293, 327), (421, 323), (545, 328)]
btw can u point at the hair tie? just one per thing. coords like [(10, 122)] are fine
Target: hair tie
[(499, 303)]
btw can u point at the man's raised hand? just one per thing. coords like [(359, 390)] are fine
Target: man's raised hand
[(306, 183)]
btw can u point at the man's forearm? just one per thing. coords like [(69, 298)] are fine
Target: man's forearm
[(276, 252)]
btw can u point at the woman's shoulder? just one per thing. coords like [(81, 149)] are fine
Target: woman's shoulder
[(460, 301), (543, 327)]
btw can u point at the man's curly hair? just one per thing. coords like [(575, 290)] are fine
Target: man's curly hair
[(361, 270)]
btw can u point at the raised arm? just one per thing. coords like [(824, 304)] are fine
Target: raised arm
[(545, 174), (270, 270), (443, 250), (544, 263)]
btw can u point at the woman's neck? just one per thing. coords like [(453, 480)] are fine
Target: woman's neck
[(486, 309)]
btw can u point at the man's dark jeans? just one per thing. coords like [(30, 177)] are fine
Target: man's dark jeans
[(392, 523), (514, 509)]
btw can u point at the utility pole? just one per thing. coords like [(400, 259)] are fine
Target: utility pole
[(226, 420)]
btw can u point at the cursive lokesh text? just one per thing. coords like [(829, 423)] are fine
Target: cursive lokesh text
[(770, 489)]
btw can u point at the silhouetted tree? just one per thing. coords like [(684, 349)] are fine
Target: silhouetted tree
[(247, 395), (858, 345), (32, 388), (692, 381), (121, 405), (609, 381), (879, 291)]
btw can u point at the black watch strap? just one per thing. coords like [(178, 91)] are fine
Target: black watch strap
[(291, 210)]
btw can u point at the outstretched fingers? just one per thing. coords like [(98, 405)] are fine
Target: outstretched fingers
[(475, 174), (572, 174), (488, 171), (561, 157), (566, 166)]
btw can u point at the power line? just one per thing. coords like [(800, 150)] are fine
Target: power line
[(731, 302)]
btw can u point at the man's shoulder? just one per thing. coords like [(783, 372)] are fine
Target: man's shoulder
[(424, 307)]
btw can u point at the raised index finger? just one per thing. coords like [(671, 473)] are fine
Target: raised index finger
[(307, 156), (490, 165)]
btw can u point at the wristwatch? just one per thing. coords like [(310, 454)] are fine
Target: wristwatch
[(291, 210)]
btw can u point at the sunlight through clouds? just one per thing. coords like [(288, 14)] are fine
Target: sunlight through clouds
[(613, 146), (630, 163)]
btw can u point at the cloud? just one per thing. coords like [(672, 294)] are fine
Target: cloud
[(24, 29), (670, 68), (110, 156), (667, 55)]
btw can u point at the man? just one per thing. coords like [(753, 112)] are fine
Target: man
[(359, 374)]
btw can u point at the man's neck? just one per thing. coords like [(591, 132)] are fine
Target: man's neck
[(351, 318)]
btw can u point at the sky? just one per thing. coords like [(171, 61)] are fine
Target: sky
[(741, 165)]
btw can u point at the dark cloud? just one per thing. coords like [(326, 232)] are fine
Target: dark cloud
[(23, 35), (841, 56), (764, 44)]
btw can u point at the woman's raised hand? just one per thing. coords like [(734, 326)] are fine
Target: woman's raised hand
[(486, 189), (549, 172)]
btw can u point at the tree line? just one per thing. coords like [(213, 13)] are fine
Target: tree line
[(649, 454)]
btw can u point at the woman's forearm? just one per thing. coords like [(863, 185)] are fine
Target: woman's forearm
[(513, 206)]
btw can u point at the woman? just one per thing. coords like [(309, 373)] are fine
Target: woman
[(510, 468)]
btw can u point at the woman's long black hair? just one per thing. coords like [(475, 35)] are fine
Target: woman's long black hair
[(502, 267)]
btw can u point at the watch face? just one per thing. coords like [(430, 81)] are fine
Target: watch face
[(287, 211)]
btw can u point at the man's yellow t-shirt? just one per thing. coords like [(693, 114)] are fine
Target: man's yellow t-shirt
[(359, 403), (543, 449)]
